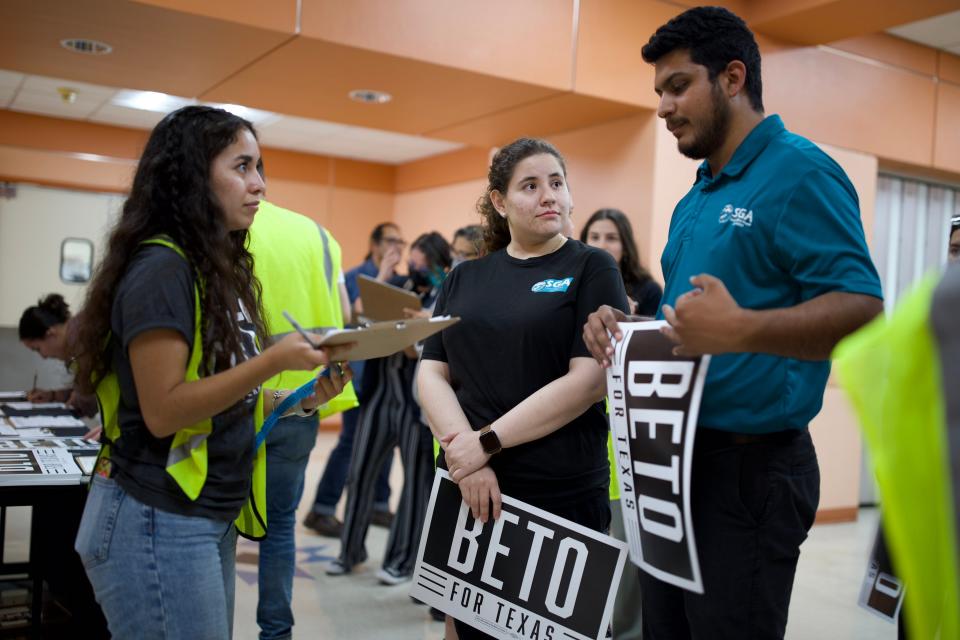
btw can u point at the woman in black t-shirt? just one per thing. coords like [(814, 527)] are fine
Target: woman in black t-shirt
[(610, 230), (158, 541), (511, 391)]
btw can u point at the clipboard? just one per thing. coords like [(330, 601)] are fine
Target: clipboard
[(382, 301), (382, 339)]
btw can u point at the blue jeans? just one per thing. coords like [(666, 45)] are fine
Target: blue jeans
[(288, 450), (338, 465), (156, 574)]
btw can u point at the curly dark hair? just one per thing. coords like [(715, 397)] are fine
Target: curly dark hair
[(49, 311), (715, 37), (496, 232), (631, 269), (171, 195)]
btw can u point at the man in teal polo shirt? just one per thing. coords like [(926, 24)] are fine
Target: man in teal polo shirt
[(766, 267)]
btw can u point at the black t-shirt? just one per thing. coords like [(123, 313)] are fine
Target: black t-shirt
[(157, 293), (521, 323), (647, 296)]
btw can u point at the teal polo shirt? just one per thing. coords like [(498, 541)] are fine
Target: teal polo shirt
[(779, 225)]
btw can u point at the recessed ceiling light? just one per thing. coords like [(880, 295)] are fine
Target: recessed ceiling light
[(149, 101), (370, 96), (85, 46)]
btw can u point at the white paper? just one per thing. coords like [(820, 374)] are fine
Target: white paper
[(28, 422)]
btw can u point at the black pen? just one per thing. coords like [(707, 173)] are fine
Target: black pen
[(306, 336)]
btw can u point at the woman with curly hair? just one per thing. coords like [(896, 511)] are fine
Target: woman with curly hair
[(511, 391), (169, 339)]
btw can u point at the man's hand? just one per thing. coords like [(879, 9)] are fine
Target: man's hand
[(705, 320), (464, 454), (480, 490), (389, 262), (595, 332)]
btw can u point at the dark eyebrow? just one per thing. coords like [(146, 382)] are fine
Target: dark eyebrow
[(669, 79), (552, 175), (243, 158)]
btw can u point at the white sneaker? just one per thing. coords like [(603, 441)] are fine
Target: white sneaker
[(391, 577)]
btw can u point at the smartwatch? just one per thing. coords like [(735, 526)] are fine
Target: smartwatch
[(490, 441)]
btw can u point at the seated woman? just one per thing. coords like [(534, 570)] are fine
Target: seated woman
[(47, 329), (511, 391)]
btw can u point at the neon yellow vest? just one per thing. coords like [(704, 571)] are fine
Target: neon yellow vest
[(187, 460), (891, 371), (300, 277)]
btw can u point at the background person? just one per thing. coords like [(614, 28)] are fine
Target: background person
[(514, 371), (610, 230), (390, 417), (298, 265), (46, 329), (168, 336), (384, 255)]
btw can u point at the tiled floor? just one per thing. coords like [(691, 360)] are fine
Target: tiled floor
[(824, 607)]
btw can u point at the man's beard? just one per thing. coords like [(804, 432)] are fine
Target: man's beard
[(712, 133)]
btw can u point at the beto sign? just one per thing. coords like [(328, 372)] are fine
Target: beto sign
[(654, 400), (529, 575)]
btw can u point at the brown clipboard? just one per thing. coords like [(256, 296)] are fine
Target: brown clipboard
[(382, 301), (382, 339)]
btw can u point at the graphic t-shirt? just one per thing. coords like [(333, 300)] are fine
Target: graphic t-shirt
[(521, 323), (157, 293)]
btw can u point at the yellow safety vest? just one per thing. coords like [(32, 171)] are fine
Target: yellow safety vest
[(298, 273), (891, 371), (187, 459)]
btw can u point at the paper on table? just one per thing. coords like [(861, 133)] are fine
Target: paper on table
[(24, 406), (26, 422)]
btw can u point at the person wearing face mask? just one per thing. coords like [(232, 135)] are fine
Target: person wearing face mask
[(511, 391), (389, 417), (384, 255)]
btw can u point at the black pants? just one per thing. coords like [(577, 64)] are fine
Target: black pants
[(752, 506), (592, 512)]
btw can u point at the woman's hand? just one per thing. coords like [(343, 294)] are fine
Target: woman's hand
[(293, 353), (479, 489), (328, 388), (41, 395), (463, 453)]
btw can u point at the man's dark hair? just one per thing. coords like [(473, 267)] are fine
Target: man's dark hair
[(715, 37)]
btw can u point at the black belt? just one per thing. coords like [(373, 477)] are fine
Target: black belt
[(716, 438)]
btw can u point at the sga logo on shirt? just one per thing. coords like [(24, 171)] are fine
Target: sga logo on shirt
[(738, 216), (552, 286)]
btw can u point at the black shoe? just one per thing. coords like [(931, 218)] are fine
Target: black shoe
[(323, 524), (382, 519)]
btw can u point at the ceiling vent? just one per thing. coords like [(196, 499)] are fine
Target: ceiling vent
[(370, 97), (88, 47)]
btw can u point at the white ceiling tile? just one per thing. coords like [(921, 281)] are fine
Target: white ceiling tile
[(10, 79), (41, 84), (937, 32), (53, 105), (37, 94), (126, 117)]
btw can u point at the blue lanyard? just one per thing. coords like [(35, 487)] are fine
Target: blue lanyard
[(288, 403)]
